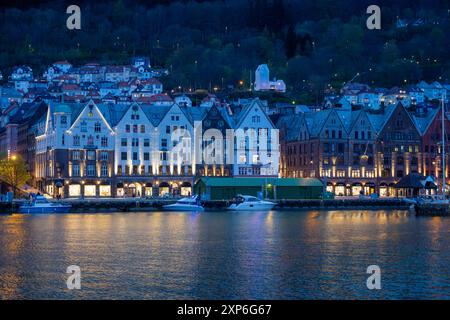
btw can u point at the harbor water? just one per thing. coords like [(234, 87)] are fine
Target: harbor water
[(225, 255)]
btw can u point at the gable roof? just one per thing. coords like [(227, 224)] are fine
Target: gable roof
[(356, 116), (155, 113), (379, 120), (423, 123), (239, 118), (292, 125)]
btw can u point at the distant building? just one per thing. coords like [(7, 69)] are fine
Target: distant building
[(432, 91), (263, 83), (57, 69), (183, 100), (21, 77), (140, 61)]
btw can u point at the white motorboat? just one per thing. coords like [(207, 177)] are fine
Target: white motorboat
[(41, 205), (185, 204), (410, 200), (433, 199), (250, 203)]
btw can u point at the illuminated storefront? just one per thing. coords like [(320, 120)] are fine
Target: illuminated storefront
[(74, 190), (164, 189), (356, 189), (89, 190), (148, 190), (339, 190), (383, 190), (105, 191), (186, 189)]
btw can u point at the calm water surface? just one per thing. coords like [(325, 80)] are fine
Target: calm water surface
[(221, 255)]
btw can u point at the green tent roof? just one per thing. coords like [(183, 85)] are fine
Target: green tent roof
[(253, 182), (61, 107)]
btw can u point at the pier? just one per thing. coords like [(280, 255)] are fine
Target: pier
[(154, 204)]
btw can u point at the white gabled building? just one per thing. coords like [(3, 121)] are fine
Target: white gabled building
[(133, 152), (75, 153), (261, 157), (176, 118)]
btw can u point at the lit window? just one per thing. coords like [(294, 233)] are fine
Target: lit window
[(105, 191), (76, 155), (74, 190), (76, 170), (104, 170), (90, 170), (89, 190)]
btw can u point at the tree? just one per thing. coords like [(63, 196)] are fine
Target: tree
[(291, 42), (13, 171)]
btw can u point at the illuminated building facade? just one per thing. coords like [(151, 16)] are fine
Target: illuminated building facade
[(356, 152), (137, 150)]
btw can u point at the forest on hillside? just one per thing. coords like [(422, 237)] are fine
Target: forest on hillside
[(314, 45)]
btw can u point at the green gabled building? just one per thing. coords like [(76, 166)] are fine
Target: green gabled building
[(218, 188)]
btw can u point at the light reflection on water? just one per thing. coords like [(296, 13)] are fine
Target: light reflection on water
[(222, 255)]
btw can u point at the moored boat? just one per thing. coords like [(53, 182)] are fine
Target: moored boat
[(41, 205), (185, 204), (250, 203), (432, 209)]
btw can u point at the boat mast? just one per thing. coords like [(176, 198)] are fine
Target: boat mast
[(443, 144)]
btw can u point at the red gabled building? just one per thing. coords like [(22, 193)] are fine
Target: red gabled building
[(430, 126)]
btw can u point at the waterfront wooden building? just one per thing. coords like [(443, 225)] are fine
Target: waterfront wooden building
[(222, 188), (356, 151)]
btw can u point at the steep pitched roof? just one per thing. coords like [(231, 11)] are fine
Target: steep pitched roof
[(238, 118), (423, 123), (378, 120), (316, 120), (155, 113)]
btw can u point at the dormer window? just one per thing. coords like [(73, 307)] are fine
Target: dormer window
[(91, 113)]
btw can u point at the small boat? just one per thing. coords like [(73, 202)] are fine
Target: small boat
[(411, 201), (185, 204), (41, 205), (250, 203), (438, 200)]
